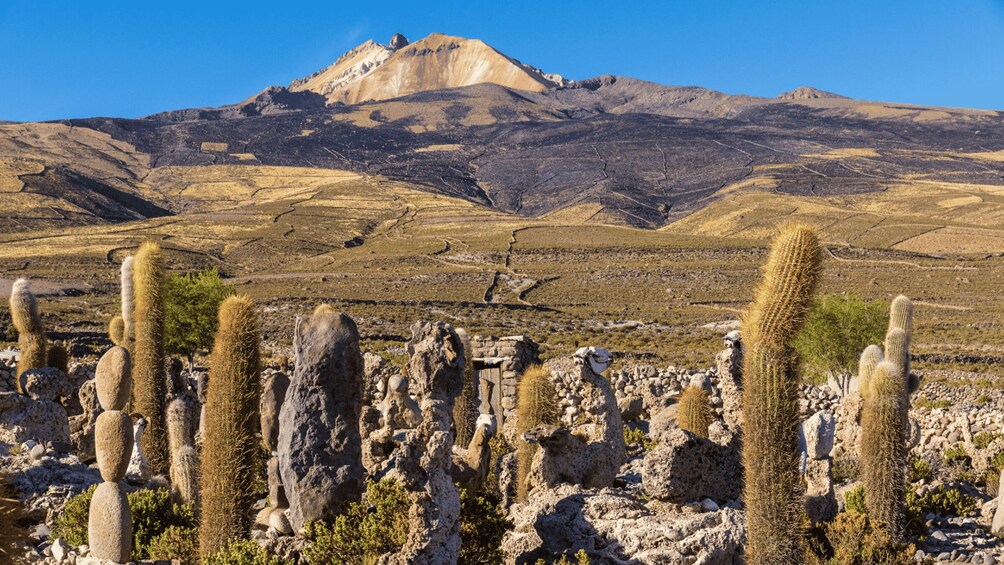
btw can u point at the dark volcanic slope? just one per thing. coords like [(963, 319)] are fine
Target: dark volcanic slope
[(647, 153)]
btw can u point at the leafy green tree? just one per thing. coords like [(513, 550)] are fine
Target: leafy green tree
[(838, 329), (192, 301)]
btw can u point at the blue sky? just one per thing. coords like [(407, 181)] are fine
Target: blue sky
[(61, 59)]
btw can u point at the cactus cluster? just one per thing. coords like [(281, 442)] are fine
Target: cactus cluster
[(770, 451), (886, 385), (465, 411), (232, 423), (149, 383), (109, 529), (128, 303), (536, 404), (31, 340), (694, 411)]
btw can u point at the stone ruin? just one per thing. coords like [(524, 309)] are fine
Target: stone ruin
[(498, 364)]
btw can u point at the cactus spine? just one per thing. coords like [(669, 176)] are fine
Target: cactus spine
[(535, 405), (770, 397), (148, 379), (116, 330), (694, 411), (31, 341), (229, 443), (128, 303), (109, 524), (885, 421), (465, 411), (870, 359)]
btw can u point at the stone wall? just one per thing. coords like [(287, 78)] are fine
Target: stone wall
[(512, 355)]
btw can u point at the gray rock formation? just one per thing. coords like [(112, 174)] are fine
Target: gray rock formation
[(320, 457), (82, 425), (422, 461), (684, 467), (23, 419), (615, 527), (729, 365), (47, 383), (472, 464), (590, 452)]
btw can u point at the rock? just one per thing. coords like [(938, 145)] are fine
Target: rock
[(815, 436), (82, 425), (319, 447), (938, 536), (273, 393), (614, 527), (662, 422), (278, 521), (36, 453), (109, 530), (997, 526), (398, 41), (597, 358), (820, 499), (59, 549), (22, 418), (113, 380), (113, 436), (631, 408), (684, 467), (47, 383), (471, 465), (139, 467), (399, 410), (708, 505), (729, 367)]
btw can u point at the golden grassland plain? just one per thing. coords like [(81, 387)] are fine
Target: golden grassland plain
[(389, 254)]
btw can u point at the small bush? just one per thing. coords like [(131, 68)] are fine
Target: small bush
[(982, 400), (932, 404), (853, 541), (854, 500), (983, 440), (941, 500), (635, 438), (919, 470), (954, 455), (368, 529), (152, 511), (483, 523), (845, 469), (836, 331), (243, 552), (175, 543)]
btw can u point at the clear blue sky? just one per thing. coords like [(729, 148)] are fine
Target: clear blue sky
[(83, 58)]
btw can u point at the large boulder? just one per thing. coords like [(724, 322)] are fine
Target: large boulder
[(320, 457), (615, 527), (684, 467), (47, 383), (23, 418)]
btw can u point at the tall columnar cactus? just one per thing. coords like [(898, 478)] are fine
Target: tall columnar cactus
[(536, 404), (694, 411), (128, 303), (149, 381), (184, 461), (109, 525), (27, 321), (883, 447), (58, 357), (465, 411), (116, 331), (885, 424), (870, 359), (770, 397), (232, 421)]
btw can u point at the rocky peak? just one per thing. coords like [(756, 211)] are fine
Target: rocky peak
[(398, 41)]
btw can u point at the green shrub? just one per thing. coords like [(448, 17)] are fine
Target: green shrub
[(983, 440), (845, 469), (483, 523), (836, 331), (854, 500), (71, 524), (368, 529), (175, 543), (932, 404), (982, 400), (942, 501), (581, 558), (957, 455), (636, 438), (853, 541), (191, 302), (919, 470), (152, 511), (243, 552)]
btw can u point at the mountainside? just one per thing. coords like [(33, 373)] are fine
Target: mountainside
[(378, 72), (607, 150)]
